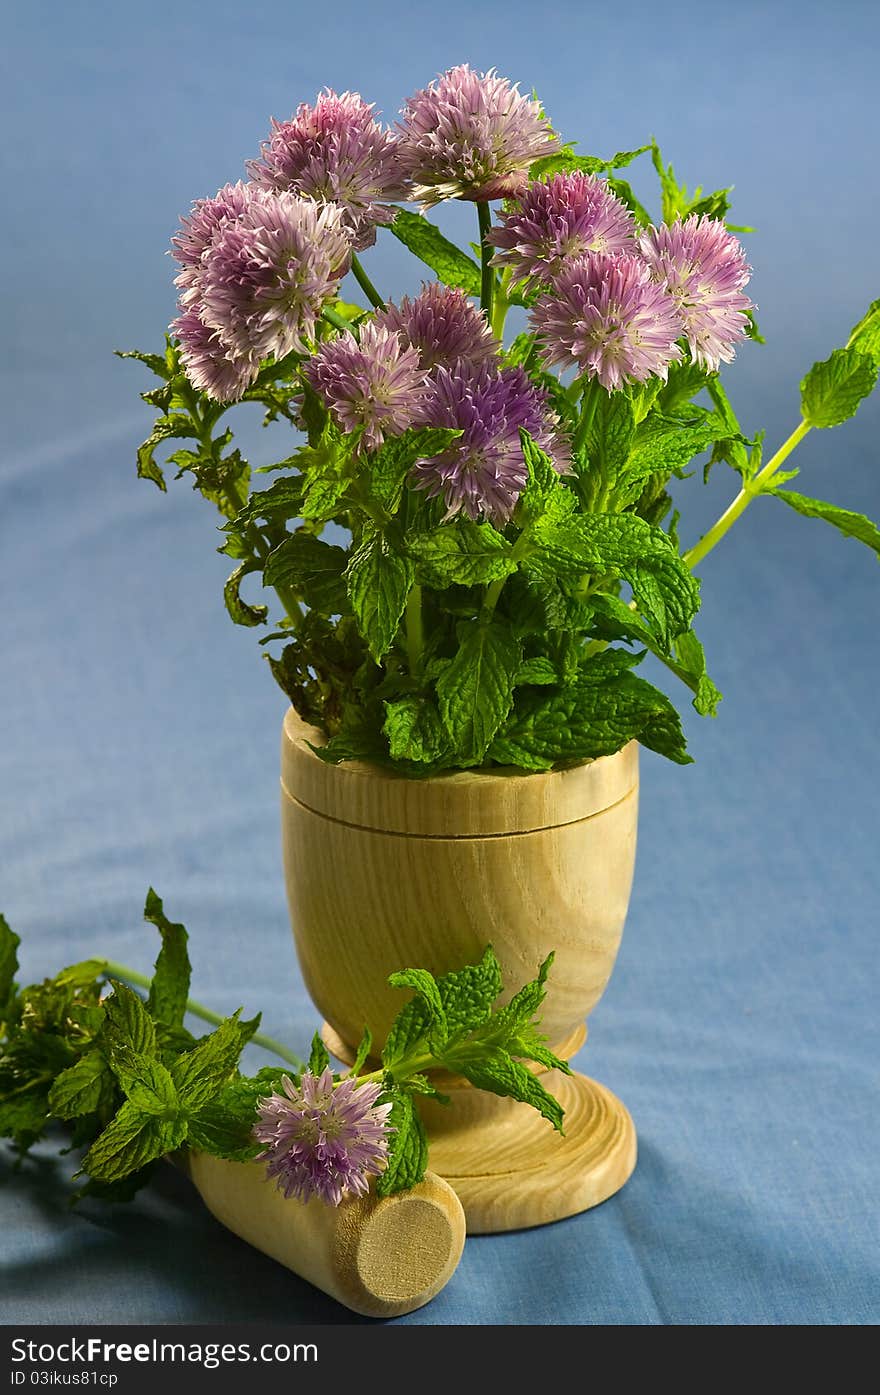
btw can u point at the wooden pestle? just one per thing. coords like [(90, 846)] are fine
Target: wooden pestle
[(379, 1256)]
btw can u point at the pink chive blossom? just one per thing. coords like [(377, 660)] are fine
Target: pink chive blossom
[(443, 325), (322, 1139), (263, 282), (335, 152), (375, 384), (206, 362), (558, 219), (200, 227), (471, 136), (608, 316), (483, 473), (704, 269)]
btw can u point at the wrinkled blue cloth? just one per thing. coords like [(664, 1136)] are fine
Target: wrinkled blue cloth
[(139, 730)]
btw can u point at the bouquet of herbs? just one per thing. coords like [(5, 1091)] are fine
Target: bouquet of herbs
[(472, 538)]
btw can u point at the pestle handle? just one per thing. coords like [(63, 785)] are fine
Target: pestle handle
[(379, 1256)]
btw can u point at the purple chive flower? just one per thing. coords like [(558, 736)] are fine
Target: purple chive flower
[(199, 228), (483, 473), (322, 1139), (443, 325), (471, 136), (376, 384), (207, 364), (610, 317), (266, 277), (335, 152), (558, 219), (704, 269)]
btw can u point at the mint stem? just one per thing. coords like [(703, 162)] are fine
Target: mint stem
[(112, 969), (365, 283), (414, 631), (744, 497)]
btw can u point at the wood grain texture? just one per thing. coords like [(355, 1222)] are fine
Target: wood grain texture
[(385, 873), (378, 1256), (366, 902)]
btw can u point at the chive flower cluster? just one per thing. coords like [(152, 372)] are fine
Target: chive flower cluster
[(261, 265)]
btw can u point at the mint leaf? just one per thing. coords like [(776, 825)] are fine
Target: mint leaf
[(623, 545), (171, 976), (145, 1081), (544, 494), (691, 661), (586, 720), (414, 730), (497, 1071), (518, 1013), (319, 1058), (388, 468), (624, 192), (865, 336), (283, 500), (427, 242), (363, 1052), (9, 943), (131, 1140), (240, 612), (379, 581), (832, 390), (200, 1074), (24, 1116), (467, 994), (224, 1126), (174, 427), (82, 1088), (407, 1147), (128, 1022), (315, 570), (852, 525), (425, 986), (155, 362), (461, 554), (475, 692), (539, 670), (565, 161)]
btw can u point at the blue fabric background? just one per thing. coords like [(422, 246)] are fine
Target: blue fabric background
[(139, 730)]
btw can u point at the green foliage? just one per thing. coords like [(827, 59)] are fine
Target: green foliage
[(832, 390), (425, 241), (476, 689), (379, 580), (851, 525)]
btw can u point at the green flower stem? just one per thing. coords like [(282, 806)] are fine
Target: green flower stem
[(494, 589), (334, 318), (111, 969), (487, 283), (365, 283), (589, 403), (750, 488), (415, 640)]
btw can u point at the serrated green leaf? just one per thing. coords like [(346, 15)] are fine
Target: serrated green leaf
[(414, 730), (539, 670), (565, 161), (169, 989), (24, 1114), (201, 1073), (9, 943), (131, 1140), (850, 524), (475, 692), (512, 1019), (865, 336), (625, 546), (82, 1087), (608, 445), (544, 494), (496, 1070), (362, 1054), (691, 662), (319, 1057), (145, 1081), (426, 241), (586, 720), (155, 362), (387, 468), (407, 1147), (461, 554), (314, 569), (177, 427), (624, 192), (832, 390), (424, 985), (241, 613), (128, 1022), (379, 581), (467, 994)]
